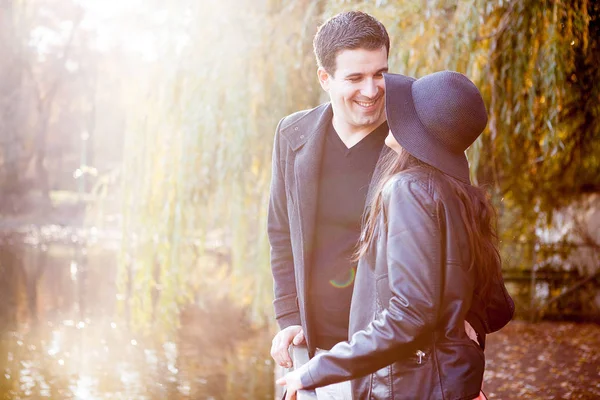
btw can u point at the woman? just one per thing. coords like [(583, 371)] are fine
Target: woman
[(428, 251)]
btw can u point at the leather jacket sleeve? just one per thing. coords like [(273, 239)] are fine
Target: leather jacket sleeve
[(414, 251), (278, 229)]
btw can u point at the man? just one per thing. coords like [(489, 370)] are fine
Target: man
[(323, 162)]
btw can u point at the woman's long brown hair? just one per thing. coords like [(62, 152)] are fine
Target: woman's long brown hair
[(477, 213)]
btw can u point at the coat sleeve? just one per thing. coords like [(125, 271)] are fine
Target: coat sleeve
[(278, 229), (414, 272)]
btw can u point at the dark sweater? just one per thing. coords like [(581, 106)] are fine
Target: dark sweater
[(344, 180)]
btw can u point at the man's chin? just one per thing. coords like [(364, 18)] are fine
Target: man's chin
[(370, 120)]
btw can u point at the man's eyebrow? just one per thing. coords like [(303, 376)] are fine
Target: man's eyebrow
[(353, 75), (358, 74)]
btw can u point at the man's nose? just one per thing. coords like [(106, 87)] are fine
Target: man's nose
[(370, 88)]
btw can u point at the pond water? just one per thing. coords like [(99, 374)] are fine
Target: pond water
[(64, 333)]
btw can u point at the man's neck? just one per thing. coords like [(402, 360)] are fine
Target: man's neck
[(351, 134)]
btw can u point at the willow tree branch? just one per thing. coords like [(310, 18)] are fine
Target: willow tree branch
[(504, 21)]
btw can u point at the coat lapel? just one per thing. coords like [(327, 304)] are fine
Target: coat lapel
[(307, 141), (308, 165)]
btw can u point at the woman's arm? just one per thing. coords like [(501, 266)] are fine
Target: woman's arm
[(414, 268)]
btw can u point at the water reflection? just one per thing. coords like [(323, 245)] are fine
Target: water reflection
[(62, 337)]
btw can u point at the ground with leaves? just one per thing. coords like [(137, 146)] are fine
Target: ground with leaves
[(548, 360)]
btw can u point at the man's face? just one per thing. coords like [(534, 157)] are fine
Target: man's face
[(356, 89)]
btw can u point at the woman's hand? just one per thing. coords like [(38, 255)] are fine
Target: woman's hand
[(292, 382)]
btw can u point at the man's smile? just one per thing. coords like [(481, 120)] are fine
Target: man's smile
[(369, 105)]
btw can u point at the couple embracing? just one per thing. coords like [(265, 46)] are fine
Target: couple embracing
[(384, 255)]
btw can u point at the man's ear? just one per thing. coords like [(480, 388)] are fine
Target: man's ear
[(324, 78)]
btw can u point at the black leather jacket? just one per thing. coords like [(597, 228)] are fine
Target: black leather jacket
[(411, 296)]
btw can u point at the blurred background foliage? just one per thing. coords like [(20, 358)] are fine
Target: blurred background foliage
[(197, 158), (156, 120), (135, 154)]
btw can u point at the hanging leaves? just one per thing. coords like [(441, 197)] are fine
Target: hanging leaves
[(200, 133), (198, 153)]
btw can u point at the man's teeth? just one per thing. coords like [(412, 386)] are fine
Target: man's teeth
[(366, 104)]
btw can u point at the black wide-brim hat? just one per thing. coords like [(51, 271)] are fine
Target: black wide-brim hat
[(436, 118)]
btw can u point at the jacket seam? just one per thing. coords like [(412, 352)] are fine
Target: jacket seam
[(437, 365), (279, 136), (425, 191), (391, 381), (441, 277)]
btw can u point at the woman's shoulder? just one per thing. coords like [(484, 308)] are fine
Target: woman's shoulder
[(415, 182), (418, 176)]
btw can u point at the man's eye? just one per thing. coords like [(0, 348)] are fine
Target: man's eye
[(354, 79)]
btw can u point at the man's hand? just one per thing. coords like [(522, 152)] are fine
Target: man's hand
[(471, 332), (292, 383), (281, 343)]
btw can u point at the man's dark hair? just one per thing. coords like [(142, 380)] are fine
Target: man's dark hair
[(347, 31)]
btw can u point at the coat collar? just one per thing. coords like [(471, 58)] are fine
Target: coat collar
[(299, 131)]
